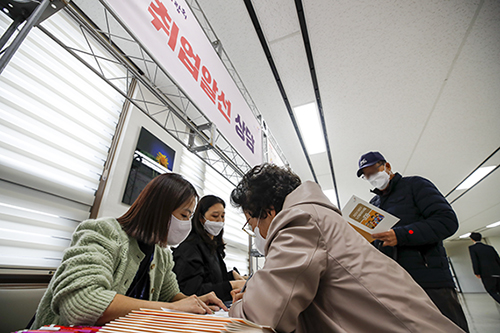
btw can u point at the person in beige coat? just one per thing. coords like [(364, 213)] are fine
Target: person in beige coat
[(320, 275)]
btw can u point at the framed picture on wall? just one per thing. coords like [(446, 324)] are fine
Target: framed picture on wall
[(152, 157)]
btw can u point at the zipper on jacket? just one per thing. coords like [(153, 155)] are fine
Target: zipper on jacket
[(423, 258)]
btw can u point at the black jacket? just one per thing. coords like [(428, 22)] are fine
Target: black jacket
[(485, 260), (426, 219), (200, 271)]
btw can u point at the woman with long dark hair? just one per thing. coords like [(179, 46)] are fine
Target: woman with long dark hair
[(114, 266), (199, 260)]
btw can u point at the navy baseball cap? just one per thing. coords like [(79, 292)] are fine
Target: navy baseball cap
[(369, 159)]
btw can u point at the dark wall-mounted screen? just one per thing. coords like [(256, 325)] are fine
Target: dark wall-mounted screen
[(151, 158)]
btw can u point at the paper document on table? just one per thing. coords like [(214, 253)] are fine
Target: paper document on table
[(149, 320), (221, 313), (366, 217)]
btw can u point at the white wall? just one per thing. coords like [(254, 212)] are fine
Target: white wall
[(111, 204), (458, 251), (17, 306), (494, 241)]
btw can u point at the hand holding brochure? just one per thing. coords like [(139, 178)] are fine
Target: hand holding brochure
[(366, 218)]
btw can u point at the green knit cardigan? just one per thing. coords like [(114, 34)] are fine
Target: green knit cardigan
[(101, 262)]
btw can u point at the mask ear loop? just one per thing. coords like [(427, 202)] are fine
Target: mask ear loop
[(389, 173), (258, 220)]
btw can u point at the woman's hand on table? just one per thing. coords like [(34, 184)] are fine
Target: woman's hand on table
[(237, 276), (237, 295), (192, 304), (213, 302), (237, 284)]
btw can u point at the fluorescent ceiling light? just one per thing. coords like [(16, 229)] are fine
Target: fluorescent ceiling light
[(310, 127), (475, 177), (465, 235), (496, 224), (331, 195)]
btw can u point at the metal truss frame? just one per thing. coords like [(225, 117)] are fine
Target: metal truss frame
[(157, 95), (212, 37)]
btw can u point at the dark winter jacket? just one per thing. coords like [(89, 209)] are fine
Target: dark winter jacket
[(199, 270), (426, 219), (485, 260)]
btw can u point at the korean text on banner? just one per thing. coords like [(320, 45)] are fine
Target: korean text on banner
[(172, 35)]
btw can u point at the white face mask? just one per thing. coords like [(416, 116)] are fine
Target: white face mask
[(213, 228), (380, 180), (178, 231), (260, 242)]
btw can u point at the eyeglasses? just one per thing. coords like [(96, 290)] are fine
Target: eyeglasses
[(374, 169), (247, 228)]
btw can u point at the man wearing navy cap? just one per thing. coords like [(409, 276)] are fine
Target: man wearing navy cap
[(416, 241)]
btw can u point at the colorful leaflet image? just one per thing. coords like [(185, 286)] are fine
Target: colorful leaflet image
[(366, 216)]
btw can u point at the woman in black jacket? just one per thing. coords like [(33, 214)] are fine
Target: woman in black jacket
[(199, 260)]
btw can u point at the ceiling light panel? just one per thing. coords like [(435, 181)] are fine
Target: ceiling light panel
[(496, 224), (310, 127), (475, 177), (331, 195)]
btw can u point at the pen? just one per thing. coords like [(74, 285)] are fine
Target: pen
[(245, 285)]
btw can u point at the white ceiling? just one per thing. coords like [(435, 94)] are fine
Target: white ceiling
[(418, 81)]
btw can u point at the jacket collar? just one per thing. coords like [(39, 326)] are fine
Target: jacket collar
[(392, 184), (308, 193)]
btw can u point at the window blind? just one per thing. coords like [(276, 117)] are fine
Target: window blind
[(193, 169), (57, 121)]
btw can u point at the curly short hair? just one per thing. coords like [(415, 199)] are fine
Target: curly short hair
[(264, 187)]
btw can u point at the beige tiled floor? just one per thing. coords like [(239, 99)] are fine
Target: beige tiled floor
[(482, 312)]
